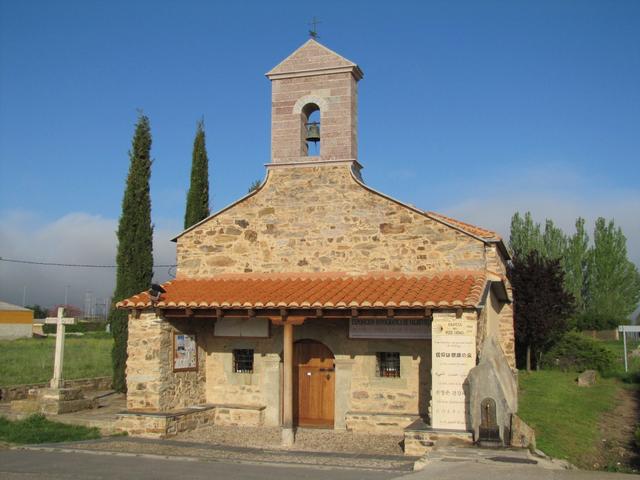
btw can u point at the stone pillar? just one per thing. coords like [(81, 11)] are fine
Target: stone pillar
[(344, 372), (271, 390), (149, 350), (287, 400)]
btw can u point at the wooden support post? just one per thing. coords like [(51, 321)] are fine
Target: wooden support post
[(287, 402)]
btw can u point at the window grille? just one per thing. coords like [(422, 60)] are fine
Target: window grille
[(243, 361), (388, 364)]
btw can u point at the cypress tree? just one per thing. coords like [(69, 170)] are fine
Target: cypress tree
[(198, 196), (134, 258)]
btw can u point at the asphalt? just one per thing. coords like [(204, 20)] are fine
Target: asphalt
[(35, 464), (133, 458)]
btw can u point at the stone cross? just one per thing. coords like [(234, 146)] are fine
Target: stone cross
[(60, 321)]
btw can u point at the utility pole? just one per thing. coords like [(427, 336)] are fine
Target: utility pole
[(66, 294)]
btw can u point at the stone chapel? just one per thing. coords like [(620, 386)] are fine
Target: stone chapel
[(317, 301)]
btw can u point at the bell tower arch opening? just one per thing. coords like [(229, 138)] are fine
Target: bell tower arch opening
[(311, 138), (313, 85)]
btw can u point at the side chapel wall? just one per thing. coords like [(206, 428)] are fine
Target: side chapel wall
[(151, 382)]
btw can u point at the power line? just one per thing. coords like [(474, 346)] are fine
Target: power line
[(82, 265)]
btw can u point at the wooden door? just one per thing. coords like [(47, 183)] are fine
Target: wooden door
[(313, 384)]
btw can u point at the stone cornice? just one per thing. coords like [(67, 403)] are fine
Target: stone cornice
[(352, 69), (312, 163)]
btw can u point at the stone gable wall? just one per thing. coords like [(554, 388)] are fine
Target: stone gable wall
[(319, 219)]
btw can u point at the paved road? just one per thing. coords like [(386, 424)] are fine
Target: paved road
[(481, 471), (25, 464), (42, 465)]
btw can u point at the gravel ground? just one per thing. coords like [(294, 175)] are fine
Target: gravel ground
[(307, 439), (226, 453)]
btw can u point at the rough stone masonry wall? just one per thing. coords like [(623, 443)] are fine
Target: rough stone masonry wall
[(498, 264), (317, 219), (151, 382), (258, 389), (358, 388)]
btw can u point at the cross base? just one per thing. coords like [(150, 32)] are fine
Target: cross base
[(54, 401)]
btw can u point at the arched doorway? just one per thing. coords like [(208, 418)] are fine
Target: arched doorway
[(313, 384)]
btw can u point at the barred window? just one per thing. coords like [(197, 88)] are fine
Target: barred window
[(388, 364), (243, 360)]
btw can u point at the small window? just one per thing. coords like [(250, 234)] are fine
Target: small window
[(243, 361), (388, 364)]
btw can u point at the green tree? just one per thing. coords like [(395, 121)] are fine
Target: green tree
[(255, 185), (542, 307), (554, 242), (613, 282), (134, 258), (198, 195), (575, 264), (38, 311), (525, 235)]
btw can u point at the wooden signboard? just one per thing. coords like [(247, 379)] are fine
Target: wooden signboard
[(399, 328), (242, 327)]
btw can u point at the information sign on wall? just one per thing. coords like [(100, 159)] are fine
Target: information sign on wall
[(453, 354), (185, 352), (242, 327), (402, 328)]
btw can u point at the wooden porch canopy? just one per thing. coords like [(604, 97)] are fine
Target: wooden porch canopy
[(316, 295)]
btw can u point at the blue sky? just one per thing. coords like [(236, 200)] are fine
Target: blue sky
[(473, 109)]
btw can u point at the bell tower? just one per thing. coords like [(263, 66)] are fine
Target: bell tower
[(314, 108)]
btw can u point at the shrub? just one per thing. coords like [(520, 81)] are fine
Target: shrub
[(80, 327), (575, 352)]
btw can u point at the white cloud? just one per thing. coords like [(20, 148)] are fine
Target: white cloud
[(77, 238), (554, 192)]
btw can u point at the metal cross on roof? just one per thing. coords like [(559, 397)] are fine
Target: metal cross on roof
[(313, 33)]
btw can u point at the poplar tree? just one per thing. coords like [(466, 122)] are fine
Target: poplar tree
[(613, 281), (575, 263), (554, 242), (134, 258), (198, 196), (525, 235)]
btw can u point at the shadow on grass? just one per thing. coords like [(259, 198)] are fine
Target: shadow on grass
[(38, 429)]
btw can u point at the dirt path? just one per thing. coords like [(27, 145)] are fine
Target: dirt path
[(617, 450)]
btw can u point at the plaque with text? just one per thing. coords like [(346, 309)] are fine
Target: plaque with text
[(400, 328), (453, 354), (185, 352)]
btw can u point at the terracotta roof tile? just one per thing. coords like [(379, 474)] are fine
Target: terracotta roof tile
[(335, 290), (472, 229)]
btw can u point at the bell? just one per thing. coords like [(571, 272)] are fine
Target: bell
[(313, 132)]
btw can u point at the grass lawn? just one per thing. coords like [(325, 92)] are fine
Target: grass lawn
[(37, 429), (617, 347), (30, 360), (565, 416)]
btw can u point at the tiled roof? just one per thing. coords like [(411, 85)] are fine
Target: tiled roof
[(472, 229), (328, 290)]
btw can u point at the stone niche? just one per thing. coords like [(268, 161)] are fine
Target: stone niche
[(493, 396)]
